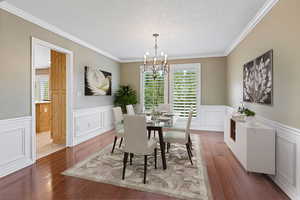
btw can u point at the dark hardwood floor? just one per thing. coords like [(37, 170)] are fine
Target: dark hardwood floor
[(43, 180)]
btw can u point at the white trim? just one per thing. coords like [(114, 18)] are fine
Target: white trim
[(35, 20), (142, 89), (287, 154), (91, 122), (69, 104), (166, 88), (268, 5), (212, 55), (16, 134), (196, 66)]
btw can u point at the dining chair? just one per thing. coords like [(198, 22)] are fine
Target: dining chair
[(130, 110), (136, 142), (173, 136), (119, 128)]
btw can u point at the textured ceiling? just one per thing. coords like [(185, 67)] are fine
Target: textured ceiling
[(123, 28)]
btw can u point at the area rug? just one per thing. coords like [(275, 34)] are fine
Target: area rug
[(180, 179)]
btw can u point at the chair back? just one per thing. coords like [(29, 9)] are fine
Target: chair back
[(135, 134), (188, 125), (130, 110), (118, 117), (164, 108)]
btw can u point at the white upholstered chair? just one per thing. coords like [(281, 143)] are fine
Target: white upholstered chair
[(180, 137), (136, 142), (119, 128), (130, 110), (164, 108)]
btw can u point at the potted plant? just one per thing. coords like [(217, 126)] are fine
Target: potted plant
[(125, 95)]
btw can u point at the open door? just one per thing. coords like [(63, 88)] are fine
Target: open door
[(58, 97)]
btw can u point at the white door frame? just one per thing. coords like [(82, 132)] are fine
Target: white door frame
[(69, 103)]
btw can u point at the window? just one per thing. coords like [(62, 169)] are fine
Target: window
[(185, 88), (153, 91), (42, 87), (184, 91)]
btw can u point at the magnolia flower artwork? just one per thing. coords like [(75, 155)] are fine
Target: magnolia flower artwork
[(97, 82), (258, 79)]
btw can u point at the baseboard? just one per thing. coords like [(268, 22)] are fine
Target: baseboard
[(287, 156), (91, 122), (15, 142)]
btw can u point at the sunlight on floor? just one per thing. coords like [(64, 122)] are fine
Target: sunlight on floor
[(45, 145)]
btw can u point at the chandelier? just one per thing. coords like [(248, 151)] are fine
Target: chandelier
[(157, 64)]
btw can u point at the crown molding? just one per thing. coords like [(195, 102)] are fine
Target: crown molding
[(263, 11), (125, 60), (268, 5), (35, 20)]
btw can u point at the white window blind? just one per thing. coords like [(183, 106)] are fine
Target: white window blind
[(185, 88), (153, 90), (43, 87)]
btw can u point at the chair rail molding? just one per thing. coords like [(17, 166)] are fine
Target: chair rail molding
[(287, 155), (91, 122), (15, 142)]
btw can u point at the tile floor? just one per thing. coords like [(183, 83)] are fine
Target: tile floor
[(45, 145)]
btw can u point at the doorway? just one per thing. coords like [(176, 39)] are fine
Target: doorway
[(51, 98)]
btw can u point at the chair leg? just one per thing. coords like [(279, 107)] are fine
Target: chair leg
[(190, 148), (155, 158), (124, 164), (115, 141), (190, 141), (149, 135), (189, 152), (130, 160), (120, 142), (145, 168), (168, 147)]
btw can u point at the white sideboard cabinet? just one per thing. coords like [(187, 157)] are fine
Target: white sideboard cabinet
[(252, 143)]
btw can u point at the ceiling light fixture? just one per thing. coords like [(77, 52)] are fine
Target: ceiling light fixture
[(157, 64)]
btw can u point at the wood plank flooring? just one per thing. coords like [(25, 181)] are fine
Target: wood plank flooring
[(43, 180)]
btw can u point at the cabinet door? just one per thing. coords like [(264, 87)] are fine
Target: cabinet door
[(241, 143), (42, 117)]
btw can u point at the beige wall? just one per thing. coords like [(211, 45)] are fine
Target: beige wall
[(15, 66), (213, 78), (280, 31)]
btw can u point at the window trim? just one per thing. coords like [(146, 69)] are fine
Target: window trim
[(166, 86), (187, 66), (40, 78)]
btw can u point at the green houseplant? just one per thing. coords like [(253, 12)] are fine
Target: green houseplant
[(125, 95)]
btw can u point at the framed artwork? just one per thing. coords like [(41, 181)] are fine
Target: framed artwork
[(258, 79), (96, 82)]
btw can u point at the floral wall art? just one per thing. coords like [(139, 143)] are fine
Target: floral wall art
[(258, 79), (97, 82)]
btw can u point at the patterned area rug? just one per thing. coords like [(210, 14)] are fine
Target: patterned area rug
[(180, 179)]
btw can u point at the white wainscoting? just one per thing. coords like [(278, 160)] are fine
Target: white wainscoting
[(15, 143), (287, 156), (91, 122), (210, 118)]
